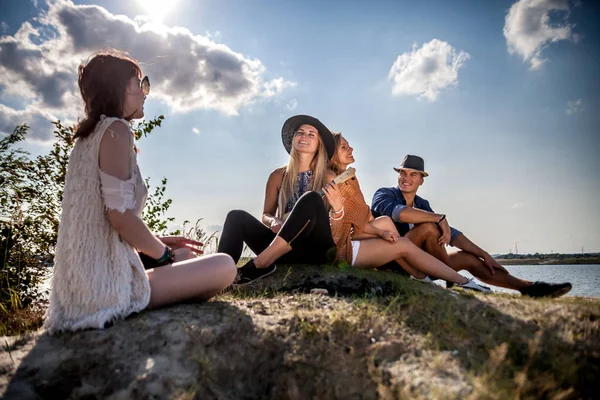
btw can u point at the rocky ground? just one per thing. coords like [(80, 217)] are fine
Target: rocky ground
[(373, 335)]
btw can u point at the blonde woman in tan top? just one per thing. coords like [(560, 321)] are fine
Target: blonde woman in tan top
[(365, 242)]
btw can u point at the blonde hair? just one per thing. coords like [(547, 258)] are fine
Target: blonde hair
[(289, 185), (334, 164)]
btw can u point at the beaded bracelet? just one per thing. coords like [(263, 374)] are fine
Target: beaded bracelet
[(341, 210), (167, 257), (338, 218)]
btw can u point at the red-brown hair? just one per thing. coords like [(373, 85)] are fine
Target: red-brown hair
[(103, 85)]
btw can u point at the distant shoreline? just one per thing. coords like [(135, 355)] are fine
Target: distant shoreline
[(549, 261)]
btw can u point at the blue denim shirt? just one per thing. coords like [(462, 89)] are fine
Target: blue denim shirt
[(390, 202)]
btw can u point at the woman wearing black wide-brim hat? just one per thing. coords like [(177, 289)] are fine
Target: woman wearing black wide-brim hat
[(295, 222)]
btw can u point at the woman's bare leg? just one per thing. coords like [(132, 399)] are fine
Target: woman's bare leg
[(376, 252), (387, 224), (197, 278), (410, 269)]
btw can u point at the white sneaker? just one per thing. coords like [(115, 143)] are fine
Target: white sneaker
[(423, 280), (472, 285)]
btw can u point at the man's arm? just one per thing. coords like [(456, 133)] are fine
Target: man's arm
[(411, 215), (448, 233), (385, 203)]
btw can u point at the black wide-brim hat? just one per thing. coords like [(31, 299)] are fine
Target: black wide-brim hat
[(414, 163), (293, 123)]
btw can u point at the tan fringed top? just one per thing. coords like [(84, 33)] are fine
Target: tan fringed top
[(356, 214)]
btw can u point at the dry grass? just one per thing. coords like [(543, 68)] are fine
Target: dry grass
[(377, 335), (18, 322), (421, 341)]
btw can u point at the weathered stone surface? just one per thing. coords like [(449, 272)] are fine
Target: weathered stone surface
[(210, 350)]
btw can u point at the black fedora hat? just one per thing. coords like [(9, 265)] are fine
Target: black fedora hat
[(415, 163), (293, 123)]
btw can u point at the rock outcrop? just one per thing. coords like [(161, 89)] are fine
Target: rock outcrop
[(392, 338)]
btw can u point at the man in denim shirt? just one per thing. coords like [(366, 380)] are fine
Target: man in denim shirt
[(415, 219)]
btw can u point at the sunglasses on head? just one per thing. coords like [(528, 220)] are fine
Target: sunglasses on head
[(145, 85)]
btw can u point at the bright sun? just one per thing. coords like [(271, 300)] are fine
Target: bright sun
[(157, 10)]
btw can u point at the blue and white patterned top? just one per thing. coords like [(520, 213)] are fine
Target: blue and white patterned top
[(304, 179)]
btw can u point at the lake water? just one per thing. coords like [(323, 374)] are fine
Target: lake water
[(584, 278)]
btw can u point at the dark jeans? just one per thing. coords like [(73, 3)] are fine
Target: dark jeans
[(306, 229)]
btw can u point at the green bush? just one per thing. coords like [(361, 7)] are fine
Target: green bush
[(30, 195)]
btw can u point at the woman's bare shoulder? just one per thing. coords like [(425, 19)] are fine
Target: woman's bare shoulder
[(277, 173), (276, 177)]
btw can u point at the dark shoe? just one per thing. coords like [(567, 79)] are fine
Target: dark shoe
[(543, 289), (249, 273)]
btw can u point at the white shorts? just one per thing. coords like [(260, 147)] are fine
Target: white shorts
[(355, 246)]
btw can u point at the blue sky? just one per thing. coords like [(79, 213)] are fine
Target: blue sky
[(509, 132)]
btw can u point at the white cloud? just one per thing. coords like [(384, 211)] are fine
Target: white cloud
[(3, 26), (276, 86), (574, 106), (196, 130), (37, 120), (188, 72), (427, 70), (528, 29), (292, 104)]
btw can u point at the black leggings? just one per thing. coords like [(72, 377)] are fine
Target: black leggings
[(306, 229)]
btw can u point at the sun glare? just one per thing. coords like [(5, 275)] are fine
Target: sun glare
[(157, 10)]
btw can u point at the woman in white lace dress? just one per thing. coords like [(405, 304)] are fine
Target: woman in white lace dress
[(98, 275)]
